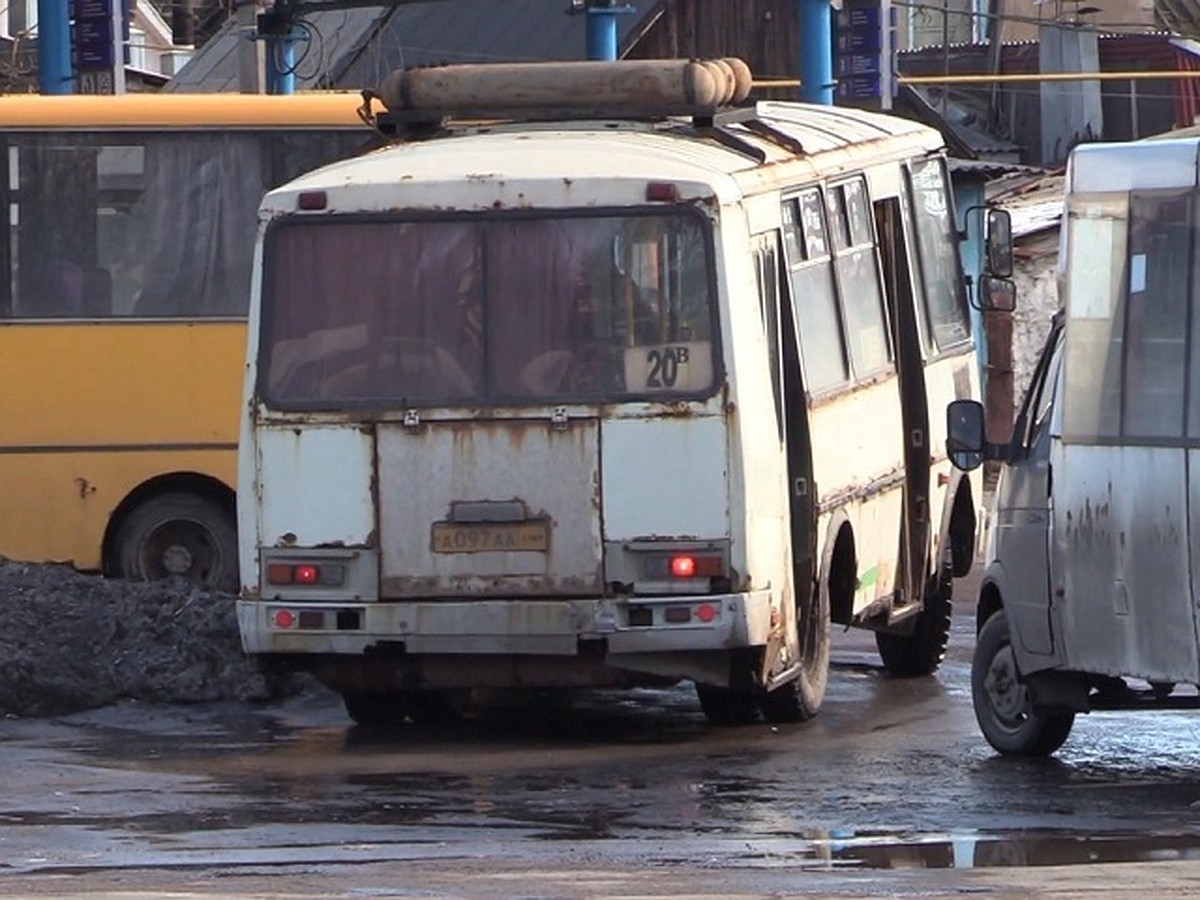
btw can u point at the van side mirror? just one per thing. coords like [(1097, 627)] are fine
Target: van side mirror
[(966, 443), (997, 294), (999, 243)]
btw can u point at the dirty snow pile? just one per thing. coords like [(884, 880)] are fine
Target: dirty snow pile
[(70, 642)]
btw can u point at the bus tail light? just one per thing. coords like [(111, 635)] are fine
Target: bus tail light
[(325, 574), (662, 192), (682, 565), (688, 565)]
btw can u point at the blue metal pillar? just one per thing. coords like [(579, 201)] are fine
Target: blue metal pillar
[(55, 75), (602, 28), (281, 62), (816, 52)]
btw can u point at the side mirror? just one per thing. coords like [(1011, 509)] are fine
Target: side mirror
[(965, 440), (997, 294), (999, 243)]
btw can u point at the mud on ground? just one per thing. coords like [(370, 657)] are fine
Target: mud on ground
[(70, 642)]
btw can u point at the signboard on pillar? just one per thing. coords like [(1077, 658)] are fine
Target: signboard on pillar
[(98, 36), (865, 65)]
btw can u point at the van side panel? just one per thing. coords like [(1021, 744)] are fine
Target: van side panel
[(1120, 561)]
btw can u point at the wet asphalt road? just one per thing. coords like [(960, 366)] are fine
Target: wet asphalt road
[(890, 791)]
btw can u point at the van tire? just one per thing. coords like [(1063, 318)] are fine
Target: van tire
[(1009, 721), (921, 651), (183, 534)]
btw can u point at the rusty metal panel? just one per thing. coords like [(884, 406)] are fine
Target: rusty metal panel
[(314, 486), (462, 506), (1120, 571)]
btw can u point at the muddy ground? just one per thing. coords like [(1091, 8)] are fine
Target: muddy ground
[(71, 642)]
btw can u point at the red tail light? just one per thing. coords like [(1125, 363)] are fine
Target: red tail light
[(327, 574), (685, 565)]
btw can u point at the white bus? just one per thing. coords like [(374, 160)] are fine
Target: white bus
[(605, 401)]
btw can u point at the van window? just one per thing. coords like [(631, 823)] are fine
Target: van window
[(1156, 313), (1126, 338)]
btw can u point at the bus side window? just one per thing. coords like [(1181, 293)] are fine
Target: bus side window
[(943, 293), (54, 253), (858, 277), (810, 267)]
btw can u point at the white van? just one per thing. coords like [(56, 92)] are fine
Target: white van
[(1089, 599)]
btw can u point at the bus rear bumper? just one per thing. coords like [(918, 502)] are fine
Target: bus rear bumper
[(626, 625)]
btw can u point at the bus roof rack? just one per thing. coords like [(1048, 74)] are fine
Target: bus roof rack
[(421, 101), (425, 102)]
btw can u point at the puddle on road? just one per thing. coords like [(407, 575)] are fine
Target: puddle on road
[(991, 851)]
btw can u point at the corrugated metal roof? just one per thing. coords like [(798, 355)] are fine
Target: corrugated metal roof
[(356, 48), (1035, 203)]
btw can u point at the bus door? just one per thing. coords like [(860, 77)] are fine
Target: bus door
[(906, 342), (1124, 516), (791, 410)]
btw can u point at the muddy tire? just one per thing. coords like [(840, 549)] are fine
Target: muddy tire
[(800, 700), (375, 709), (921, 652), (179, 534), (1011, 724)]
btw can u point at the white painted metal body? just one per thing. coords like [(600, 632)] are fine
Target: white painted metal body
[(597, 487), (1096, 567)]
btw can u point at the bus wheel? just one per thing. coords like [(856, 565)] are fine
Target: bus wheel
[(179, 534), (727, 706), (800, 699), (921, 651), (376, 709), (436, 707), (1009, 721)]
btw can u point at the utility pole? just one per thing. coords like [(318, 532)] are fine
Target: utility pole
[(601, 23), (816, 52), (55, 75)]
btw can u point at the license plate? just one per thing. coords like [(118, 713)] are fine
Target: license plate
[(491, 537)]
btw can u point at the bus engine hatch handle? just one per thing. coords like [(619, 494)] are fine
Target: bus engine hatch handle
[(558, 419)]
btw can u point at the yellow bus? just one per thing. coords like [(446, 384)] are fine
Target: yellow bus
[(126, 276)]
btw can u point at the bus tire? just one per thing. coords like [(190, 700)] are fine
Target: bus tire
[(182, 534), (922, 650), (1007, 718), (435, 707), (724, 706), (375, 709), (800, 699)]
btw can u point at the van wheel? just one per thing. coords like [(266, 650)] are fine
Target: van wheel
[(799, 700), (376, 709), (179, 534), (1007, 718), (922, 650)]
